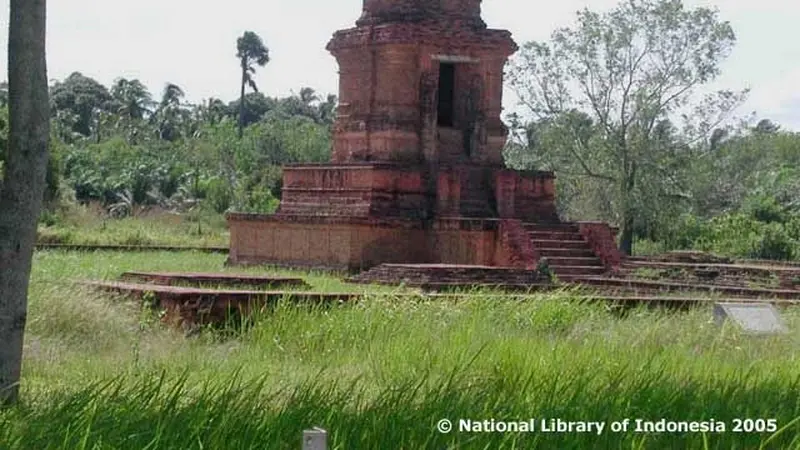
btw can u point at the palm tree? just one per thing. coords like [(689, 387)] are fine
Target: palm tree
[(327, 110), (132, 98), (250, 50), (308, 96), (172, 95), (211, 111), (169, 114)]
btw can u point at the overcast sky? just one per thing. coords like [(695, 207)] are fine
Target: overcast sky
[(192, 43)]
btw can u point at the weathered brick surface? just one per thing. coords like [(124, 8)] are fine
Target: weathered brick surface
[(601, 240), (528, 196), (356, 243), (198, 306), (355, 190), (389, 74), (516, 246)]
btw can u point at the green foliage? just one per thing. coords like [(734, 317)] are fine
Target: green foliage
[(740, 235), (743, 197), (81, 225), (604, 97), (218, 194), (178, 155), (84, 98)]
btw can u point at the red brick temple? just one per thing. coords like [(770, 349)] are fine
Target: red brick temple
[(417, 172)]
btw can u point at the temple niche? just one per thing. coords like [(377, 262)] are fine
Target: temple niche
[(416, 172)]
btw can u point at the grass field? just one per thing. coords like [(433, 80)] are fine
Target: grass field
[(100, 373), (85, 225)]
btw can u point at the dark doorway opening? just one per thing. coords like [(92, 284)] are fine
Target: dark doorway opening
[(446, 107)]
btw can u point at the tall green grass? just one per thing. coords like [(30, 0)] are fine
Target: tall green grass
[(82, 225), (380, 374)]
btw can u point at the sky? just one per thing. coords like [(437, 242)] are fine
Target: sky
[(193, 43)]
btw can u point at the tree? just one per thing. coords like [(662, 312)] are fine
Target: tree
[(84, 97), (766, 126), (327, 110), (170, 115), (605, 93), (256, 106), (24, 180), (131, 98), (250, 50), (212, 111)]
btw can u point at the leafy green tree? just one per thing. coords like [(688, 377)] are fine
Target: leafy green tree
[(82, 96), (256, 106), (251, 51), (766, 126), (605, 93), (308, 104)]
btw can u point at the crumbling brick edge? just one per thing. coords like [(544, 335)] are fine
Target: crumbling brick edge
[(516, 245), (602, 241)]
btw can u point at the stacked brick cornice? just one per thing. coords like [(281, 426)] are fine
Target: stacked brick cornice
[(383, 11), (453, 34)]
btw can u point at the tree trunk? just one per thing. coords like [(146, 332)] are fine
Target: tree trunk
[(241, 102), (628, 210), (626, 234), (23, 186)]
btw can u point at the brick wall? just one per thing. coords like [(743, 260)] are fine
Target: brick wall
[(528, 196), (356, 244)]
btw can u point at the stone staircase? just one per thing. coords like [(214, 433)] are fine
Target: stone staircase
[(569, 257), (567, 253)]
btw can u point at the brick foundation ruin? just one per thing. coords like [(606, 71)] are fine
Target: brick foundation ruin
[(417, 173)]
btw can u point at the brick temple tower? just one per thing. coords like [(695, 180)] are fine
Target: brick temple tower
[(421, 81), (416, 173)]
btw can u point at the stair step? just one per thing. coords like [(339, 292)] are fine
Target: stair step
[(551, 226), (550, 244), (555, 235), (551, 253), (559, 261)]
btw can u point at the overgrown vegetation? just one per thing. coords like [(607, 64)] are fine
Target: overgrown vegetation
[(615, 107), (99, 374), (121, 149)]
